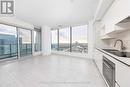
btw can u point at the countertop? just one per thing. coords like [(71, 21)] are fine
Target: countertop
[(123, 60)]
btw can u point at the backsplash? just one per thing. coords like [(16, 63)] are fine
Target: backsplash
[(125, 36)]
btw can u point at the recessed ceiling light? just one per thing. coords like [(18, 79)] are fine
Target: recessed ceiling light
[(71, 1)]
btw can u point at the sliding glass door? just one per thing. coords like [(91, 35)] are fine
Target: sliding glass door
[(8, 42), (17, 42), (25, 42), (37, 40)]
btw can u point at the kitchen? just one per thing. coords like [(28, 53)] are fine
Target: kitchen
[(112, 44)]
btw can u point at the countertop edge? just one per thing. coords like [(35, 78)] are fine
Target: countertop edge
[(113, 56)]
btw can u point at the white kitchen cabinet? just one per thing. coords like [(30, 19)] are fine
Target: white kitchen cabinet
[(106, 37), (124, 24), (109, 27), (122, 75), (110, 30), (103, 34), (118, 11), (98, 57), (122, 71)]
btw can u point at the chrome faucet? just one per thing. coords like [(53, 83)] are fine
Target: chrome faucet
[(122, 45)]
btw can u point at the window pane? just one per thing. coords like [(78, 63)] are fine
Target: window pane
[(54, 39), (37, 40), (79, 39), (8, 42), (25, 42), (64, 39)]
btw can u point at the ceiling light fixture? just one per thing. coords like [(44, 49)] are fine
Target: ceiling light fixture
[(71, 1)]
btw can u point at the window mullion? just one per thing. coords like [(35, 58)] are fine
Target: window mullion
[(70, 39)]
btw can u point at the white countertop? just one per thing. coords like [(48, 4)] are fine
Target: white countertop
[(122, 59)]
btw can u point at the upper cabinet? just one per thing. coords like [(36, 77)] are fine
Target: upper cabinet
[(116, 19), (124, 24), (109, 30)]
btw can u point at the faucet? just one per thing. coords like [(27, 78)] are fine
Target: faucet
[(122, 45)]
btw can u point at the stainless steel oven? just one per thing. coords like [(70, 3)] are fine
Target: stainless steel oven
[(109, 71)]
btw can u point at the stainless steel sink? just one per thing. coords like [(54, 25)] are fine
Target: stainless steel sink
[(118, 53), (110, 49)]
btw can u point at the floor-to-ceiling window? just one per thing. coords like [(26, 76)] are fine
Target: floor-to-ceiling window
[(54, 40), (25, 42), (64, 39), (71, 39), (8, 42), (37, 40), (80, 39), (17, 42)]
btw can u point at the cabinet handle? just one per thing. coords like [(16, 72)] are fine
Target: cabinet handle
[(117, 83)]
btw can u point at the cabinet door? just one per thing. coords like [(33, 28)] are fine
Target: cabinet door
[(123, 75), (109, 28), (98, 59)]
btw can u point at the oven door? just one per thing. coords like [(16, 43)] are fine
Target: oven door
[(109, 71)]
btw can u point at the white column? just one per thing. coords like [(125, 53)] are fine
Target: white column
[(18, 44), (90, 39), (46, 40), (33, 43)]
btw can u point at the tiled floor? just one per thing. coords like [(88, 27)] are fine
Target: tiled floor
[(50, 71)]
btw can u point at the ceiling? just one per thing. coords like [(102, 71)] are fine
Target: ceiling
[(56, 12)]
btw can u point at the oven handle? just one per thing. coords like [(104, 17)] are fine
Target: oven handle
[(107, 66)]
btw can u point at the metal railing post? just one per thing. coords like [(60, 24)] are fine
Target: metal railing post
[(26, 49), (10, 49)]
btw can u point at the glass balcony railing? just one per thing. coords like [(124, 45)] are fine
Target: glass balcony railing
[(37, 47), (25, 49), (8, 51)]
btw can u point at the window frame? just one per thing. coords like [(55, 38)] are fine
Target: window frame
[(71, 38)]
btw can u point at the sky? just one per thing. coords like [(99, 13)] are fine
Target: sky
[(10, 30), (4, 29)]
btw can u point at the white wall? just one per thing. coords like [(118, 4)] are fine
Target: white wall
[(46, 40)]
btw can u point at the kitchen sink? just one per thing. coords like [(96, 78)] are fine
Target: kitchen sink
[(118, 53), (110, 49)]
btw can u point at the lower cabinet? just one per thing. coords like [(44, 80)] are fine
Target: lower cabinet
[(122, 75), (122, 71), (98, 58)]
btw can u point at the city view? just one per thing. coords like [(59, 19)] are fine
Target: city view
[(76, 47), (79, 39), (9, 42)]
